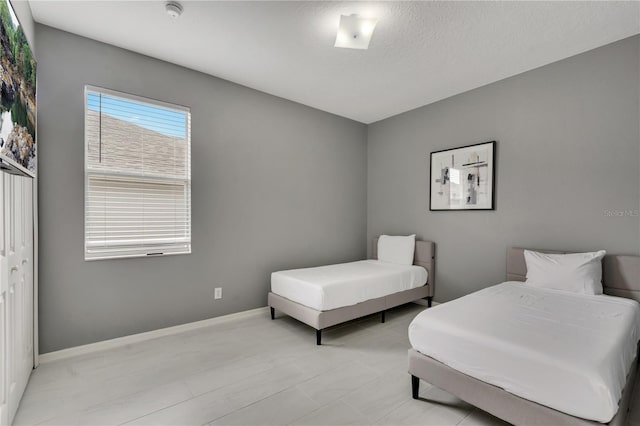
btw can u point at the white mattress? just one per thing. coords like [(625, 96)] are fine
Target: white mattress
[(570, 352), (334, 286)]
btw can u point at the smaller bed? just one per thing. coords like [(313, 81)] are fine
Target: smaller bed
[(328, 295)]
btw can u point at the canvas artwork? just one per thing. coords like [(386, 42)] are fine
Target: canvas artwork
[(18, 92), (463, 178)]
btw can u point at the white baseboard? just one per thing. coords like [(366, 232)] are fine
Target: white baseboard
[(141, 337)]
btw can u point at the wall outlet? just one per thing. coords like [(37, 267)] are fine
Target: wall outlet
[(217, 293)]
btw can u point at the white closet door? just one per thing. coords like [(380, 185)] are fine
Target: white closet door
[(4, 286), (26, 270), (4, 401), (13, 315), (19, 307)]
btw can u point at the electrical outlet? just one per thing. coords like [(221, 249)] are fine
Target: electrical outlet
[(217, 293)]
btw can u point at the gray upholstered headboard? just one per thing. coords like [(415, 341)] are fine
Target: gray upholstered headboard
[(425, 256), (620, 273)]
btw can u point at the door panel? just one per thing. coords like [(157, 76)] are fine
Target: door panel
[(13, 334), (4, 286), (26, 283), (19, 302), (28, 270), (4, 403), (12, 341)]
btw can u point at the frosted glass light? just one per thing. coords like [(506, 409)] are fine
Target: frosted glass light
[(354, 31)]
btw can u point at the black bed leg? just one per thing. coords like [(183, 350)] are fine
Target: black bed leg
[(382, 316), (429, 300), (273, 312), (415, 386), (318, 337)]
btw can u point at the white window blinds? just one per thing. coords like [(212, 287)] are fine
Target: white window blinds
[(137, 176)]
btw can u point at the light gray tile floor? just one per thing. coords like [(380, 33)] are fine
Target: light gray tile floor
[(250, 371)]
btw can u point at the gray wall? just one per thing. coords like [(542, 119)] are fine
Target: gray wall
[(278, 185), (274, 185), (568, 149)]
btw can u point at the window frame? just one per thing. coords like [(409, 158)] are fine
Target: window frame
[(119, 175)]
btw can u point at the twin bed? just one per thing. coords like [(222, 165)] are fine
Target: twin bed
[(536, 356), (328, 295)]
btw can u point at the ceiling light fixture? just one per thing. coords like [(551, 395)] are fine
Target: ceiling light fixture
[(173, 8), (354, 31)]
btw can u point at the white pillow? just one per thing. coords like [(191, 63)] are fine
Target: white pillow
[(575, 272), (395, 249)]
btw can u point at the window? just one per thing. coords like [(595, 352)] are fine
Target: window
[(137, 176)]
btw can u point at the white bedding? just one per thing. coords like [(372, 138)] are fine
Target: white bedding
[(334, 286), (568, 351)]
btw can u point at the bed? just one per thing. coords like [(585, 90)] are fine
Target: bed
[(589, 353), (329, 295)]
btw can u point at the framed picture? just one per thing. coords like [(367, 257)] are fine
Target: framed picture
[(17, 94), (463, 178)]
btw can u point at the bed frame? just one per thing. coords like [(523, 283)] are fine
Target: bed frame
[(424, 256), (621, 277)]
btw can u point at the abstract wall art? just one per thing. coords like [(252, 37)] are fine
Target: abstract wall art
[(463, 178)]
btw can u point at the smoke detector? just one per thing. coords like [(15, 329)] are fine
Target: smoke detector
[(174, 9)]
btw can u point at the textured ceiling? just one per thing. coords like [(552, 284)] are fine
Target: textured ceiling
[(421, 52)]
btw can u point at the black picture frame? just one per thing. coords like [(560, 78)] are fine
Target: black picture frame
[(473, 192)]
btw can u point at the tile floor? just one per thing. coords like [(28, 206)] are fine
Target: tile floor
[(250, 371)]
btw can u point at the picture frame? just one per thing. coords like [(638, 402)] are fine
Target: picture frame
[(463, 178), (18, 110)]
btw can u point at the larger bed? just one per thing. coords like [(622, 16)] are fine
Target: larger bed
[(536, 356), (328, 295)]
